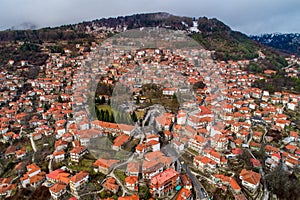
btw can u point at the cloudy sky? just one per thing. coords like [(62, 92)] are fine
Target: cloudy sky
[(248, 16)]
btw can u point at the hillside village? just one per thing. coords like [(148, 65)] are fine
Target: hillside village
[(220, 140)]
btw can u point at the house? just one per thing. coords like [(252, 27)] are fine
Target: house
[(154, 137), (131, 182), (197, 143), (270, 149), (60, 145), (78, 181), (186, 182), (164, 121), (282, 123), (184, 194), (256, 163), (203, 162), (10, 151), (257, 136), (58, 190), (37, 180), (67, 137), (164, 182), (85, 136), (158, 156), (215, 156), (126, 129), (104, 166), (140, 149), (59, 156), (6, 187), (111, 185), (167, 134), (169, 91), (291, 148), (178, 146), (151, 168), (292, 106), (220, 142), (181, 117), (58, 176), (250, 179), (20, 167), (154, 145), (77, 153), (34, 176), (119, 141), (291, 162), (21, 153), (133, 169)]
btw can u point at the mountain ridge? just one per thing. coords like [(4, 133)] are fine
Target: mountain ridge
[(213, 34), (286, 42)]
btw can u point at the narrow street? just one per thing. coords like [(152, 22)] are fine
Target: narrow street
[(197, 185), (32, 143), (112, 174), (50, 165), (33, 148)]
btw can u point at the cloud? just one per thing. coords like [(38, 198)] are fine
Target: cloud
[(249, 16)]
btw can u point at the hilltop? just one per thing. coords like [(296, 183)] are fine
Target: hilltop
[(211, 33)]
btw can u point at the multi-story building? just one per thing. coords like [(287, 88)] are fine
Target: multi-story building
[(57, 190), (77, 153), (78, 181), (164, 182)]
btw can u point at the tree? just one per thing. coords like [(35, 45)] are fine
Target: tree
[(97, 112), (282, 184), (101, 115), (106, 116), (137, 101), (102, 100), (59, 99), (134, 117), (144, 192), (112, 118)]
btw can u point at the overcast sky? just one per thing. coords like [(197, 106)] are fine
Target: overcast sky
[(248, 16)]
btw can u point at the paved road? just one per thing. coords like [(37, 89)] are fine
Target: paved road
[(32, 143), (112, 174), (197, 185), (50, 165)]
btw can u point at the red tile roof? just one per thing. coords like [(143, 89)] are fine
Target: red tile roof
[(132, 197), (105, 163), (79, 176), (183, 194), (164, 176), (56, 188), (250, 176)]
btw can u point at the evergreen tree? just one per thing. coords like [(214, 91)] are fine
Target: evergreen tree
[(137, 101), (59, 99), (106, 116), (134, 117), (97, 112), (101, 118), (112, 118), (102, 100)]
